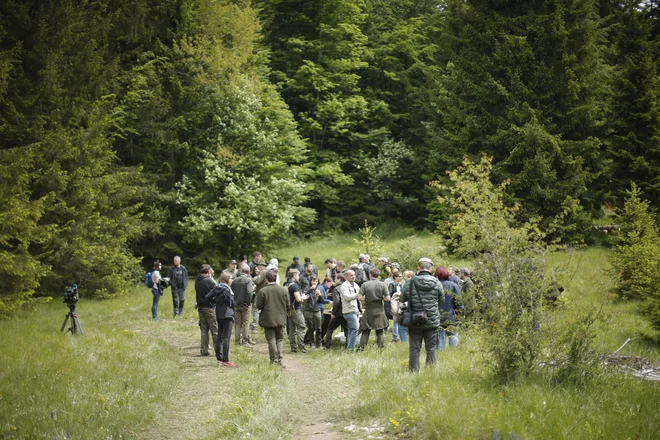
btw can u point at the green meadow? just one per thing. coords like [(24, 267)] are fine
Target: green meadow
[(128, 375)]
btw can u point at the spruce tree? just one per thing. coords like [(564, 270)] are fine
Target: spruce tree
[(525, 83)]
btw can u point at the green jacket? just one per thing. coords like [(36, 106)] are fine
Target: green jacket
[(273, 301), (424, 288)]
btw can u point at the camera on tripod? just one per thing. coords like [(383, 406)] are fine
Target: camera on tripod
[(70, 299), (71, 294)]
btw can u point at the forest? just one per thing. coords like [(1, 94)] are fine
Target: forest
[(134, 130)]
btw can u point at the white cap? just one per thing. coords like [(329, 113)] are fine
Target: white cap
[(425, 260)]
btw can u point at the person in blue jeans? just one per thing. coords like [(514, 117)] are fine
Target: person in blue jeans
[(399, 333), (156, 290), (448, 322), (350, 295)]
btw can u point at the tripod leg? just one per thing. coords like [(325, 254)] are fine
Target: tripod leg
[(66, 319), (76, 324)]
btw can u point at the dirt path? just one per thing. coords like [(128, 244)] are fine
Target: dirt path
[(197, 397), (307, 381), (200, 393)]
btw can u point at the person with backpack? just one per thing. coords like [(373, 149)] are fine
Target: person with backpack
[(425, 295), (156, 289), (178, 276), (361, 270)]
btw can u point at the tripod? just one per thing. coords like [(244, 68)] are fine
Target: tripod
[(75, 322)]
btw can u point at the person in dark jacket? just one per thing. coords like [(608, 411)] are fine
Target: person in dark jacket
[(178, 276), (207, 321), (243, 288), (295, 264), (223, 299), (336, 317), (424, 293), (273, 301), (448, 322)]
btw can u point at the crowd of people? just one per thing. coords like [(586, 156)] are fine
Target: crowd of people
[(308, 308)]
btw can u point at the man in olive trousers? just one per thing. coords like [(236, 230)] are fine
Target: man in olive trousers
[(273, 301)]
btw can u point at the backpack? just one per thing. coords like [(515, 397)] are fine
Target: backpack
[(148, 281), (360, 274)]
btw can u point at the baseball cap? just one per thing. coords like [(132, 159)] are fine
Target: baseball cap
[(233, 262), (296, 258), (261, 263)]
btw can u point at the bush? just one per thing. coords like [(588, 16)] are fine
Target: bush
[(635, 257)]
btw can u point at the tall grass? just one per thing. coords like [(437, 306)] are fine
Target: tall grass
[(109, 383)]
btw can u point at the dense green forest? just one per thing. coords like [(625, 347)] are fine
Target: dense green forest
[(141, 129)]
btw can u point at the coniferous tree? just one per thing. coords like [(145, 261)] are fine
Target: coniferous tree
[(634, 122), (525, 83)]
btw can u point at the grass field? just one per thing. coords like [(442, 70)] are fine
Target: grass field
[(124, 377)]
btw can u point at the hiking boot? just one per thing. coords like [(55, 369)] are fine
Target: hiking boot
[(251, 341), (303, 350)]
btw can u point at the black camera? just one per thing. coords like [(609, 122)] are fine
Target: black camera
[(71, 294)]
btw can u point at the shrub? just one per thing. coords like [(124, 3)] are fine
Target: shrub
[(635, 256)]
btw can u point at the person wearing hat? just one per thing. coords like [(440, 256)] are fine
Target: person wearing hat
[(232, 270), (259, 283), (425, 295), (385, 268), (295, 264)]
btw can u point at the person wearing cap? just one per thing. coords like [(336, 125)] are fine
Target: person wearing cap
[(385, 268), (260, 282), (295, 264), (243, 287), (424, 293), (232, 270)]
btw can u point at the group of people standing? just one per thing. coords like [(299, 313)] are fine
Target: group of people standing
[(362, 297)]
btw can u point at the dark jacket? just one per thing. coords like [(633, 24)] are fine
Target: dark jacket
[(273, 301), (336, 301), (178, 277), (243, 287), (203, 285), (424, 289), (223, 298), (447, 309)]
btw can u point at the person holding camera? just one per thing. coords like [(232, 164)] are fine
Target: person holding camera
[(178, 276), (312, 312), (424, 294)]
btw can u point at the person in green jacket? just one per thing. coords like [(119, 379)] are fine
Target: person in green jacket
[(424, 293), (374, 293)]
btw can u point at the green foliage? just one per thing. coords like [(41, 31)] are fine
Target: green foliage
[(409, 250), (525, 83), (368, 242), (510, 271), (633, 141), (635, 257)]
